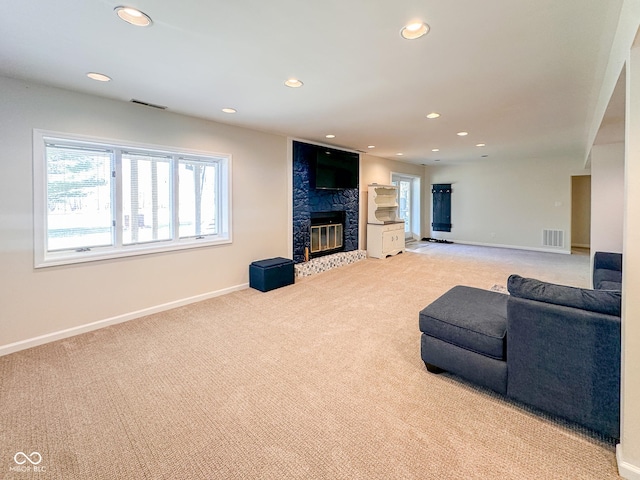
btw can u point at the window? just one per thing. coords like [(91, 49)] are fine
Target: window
[(96, 199)]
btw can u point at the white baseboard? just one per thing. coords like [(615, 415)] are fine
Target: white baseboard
[(70, 332), (514, 247), (626, 470)]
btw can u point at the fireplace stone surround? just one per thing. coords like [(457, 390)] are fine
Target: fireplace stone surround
[(308, 201)]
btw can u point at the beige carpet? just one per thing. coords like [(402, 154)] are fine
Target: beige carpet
[(318, 380)]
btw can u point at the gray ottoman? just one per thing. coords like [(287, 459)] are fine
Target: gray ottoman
[(464, 332)]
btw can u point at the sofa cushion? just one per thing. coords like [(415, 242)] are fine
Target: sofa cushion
[(601, 301), (605, 275), (470, 318), (606, 285)]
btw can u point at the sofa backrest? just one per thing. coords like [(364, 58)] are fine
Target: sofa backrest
[(608, 302), (607, 260)]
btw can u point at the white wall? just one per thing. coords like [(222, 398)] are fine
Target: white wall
[(508, 203), (379, 170), (36, 303), (626, 50), (628, 450), (607, 197)]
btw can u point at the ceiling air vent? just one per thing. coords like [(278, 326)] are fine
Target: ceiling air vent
[(140, 102)]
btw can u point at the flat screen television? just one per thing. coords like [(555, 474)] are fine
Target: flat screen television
[(334, 170)]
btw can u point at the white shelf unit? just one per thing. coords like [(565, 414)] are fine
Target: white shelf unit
[(385, 229), (383, 204)]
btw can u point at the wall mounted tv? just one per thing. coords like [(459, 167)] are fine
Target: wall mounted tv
[(334, 169)]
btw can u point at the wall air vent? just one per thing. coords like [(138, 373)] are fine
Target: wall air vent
[(553, 238), (140, 102)]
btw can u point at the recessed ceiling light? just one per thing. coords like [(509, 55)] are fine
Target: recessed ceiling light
[(462, 134), (414, 30), (330, 136), (293, 83), (133, 16), (435, 149), (229, 110), (399, 154), (481, 144), (485, 156), (437, 160), (99, 77), (371, 146), (433, 115)]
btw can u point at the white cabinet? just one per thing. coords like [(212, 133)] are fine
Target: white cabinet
[(385, 240), (385, 230)]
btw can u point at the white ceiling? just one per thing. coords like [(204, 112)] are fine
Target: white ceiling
[(521, 76)]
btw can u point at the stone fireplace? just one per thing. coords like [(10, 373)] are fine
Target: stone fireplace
[(320, 207)]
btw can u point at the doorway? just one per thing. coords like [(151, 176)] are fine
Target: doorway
[(409, 203), (580, 213)]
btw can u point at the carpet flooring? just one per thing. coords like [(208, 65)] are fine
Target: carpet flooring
[(318, 380)]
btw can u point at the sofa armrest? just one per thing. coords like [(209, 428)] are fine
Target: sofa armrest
[(565, 361), (608, 261)]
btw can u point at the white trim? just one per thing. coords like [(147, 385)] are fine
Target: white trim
[(514, 247), (147, 147), (362, 206), (626, 470), (70, 258), (88, 327), (328, 145), (290, 196)]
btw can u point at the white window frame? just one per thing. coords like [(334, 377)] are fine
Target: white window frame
[(45, 258)]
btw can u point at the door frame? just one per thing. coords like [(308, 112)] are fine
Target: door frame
[(416, 202)]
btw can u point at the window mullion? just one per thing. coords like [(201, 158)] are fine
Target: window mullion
[(224, 198), (117, 201), (175, 192), (219, 199), (154, 198)]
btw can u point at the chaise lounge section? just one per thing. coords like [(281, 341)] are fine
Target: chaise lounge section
[(553, 347), (462, 338)]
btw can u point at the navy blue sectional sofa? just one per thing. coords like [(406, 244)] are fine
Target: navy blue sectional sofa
[(607, 271), (553, 347)]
